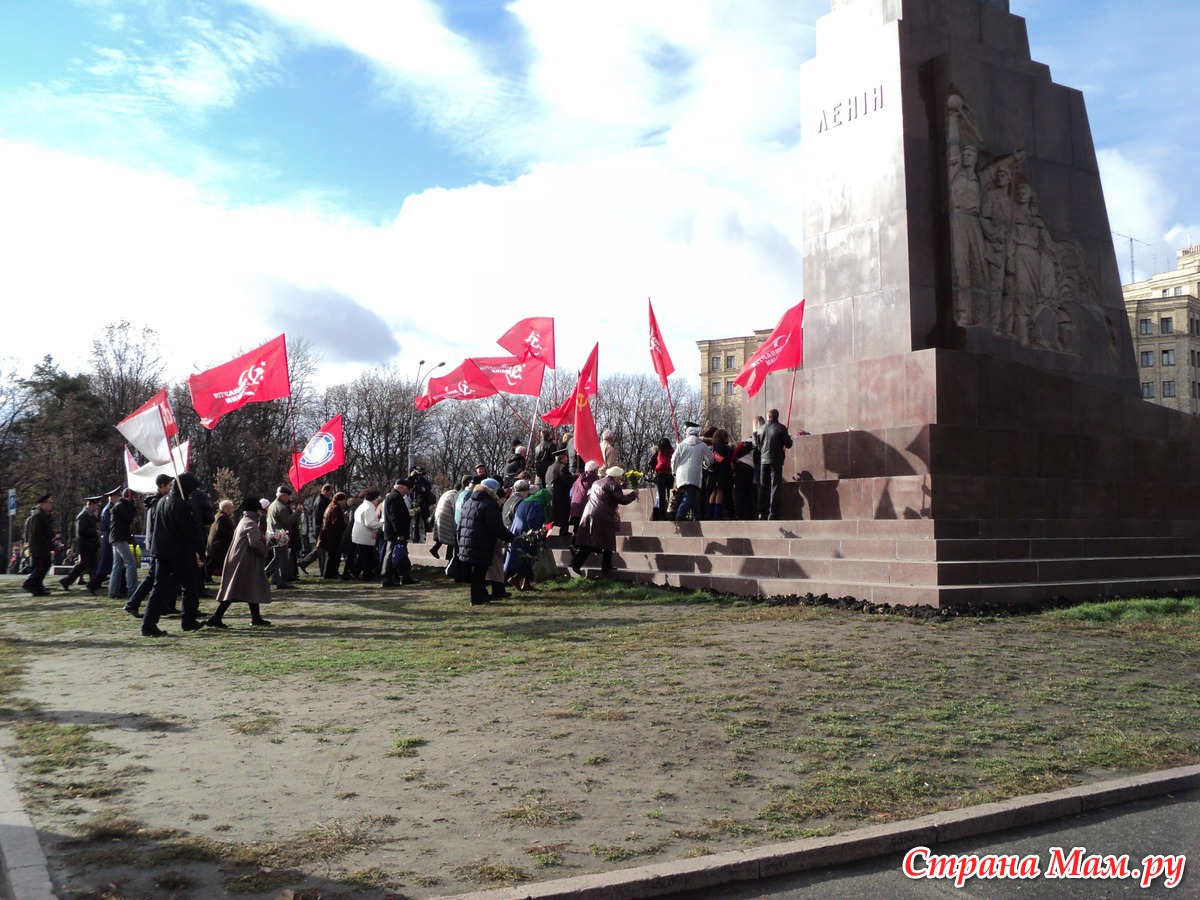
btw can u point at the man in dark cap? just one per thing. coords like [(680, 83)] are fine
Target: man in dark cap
[(165, 484), (87, 542), (397, 568), (104, 569), (39, 539), (280, 518), (176, 544), (559, 480)]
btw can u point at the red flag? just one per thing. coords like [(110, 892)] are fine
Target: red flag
[(324, 452), (658, 350), (577, 410), (463, 383), (783, 349), (531, 337), (149, 428), (254, 377), (509, 375)]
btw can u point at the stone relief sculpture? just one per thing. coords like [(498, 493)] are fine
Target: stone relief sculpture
[(1010, 275)]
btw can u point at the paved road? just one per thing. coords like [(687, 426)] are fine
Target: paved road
[(1163, 825)]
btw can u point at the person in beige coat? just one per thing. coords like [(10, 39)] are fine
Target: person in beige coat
[(242, 577)]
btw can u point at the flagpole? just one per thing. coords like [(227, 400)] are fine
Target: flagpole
[(671, 404), (524, 421), (791, 396)]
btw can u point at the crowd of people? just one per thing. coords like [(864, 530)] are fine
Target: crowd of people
[(494, 530)]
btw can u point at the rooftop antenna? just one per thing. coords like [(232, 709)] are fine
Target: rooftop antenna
[(1132, 240)]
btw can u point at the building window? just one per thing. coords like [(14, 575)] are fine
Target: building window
[(714, 364), (1179, 291), (1168, 389), (1147, 390), (715, 389), (1166, 325), (1166, 292), (1168, 357), (731, 362), (1145, 326), (1147, 359), (730, 388)]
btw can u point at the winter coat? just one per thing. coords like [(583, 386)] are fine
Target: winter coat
[(87, 533), (280, 517), (243, 579), (124, 514), (531, 515), (220, 537), (559, 480), (508, 511), (480, 527), (333, 524), (366, 524), (513, 468), (443, 519), (397, 520), (608, 454), (689, 460), (773, 439), (352, 508), (177, 536), (579, 493), (39, 533), (601, 518)]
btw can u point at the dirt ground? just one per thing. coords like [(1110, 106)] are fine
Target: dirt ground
[(675, 730)]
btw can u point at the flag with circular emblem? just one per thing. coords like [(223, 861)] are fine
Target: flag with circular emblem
[(324, 452)]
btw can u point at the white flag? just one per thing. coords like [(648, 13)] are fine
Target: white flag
[(141, 478), (149, 428)]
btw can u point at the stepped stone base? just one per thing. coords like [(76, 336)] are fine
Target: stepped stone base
[(903, 562)]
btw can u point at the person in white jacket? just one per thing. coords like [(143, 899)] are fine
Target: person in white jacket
[(366, 525), (688, 464)]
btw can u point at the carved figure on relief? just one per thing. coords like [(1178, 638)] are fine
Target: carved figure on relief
[(1010, 275)]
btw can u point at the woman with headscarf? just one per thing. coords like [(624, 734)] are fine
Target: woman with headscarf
[(329, 538), (600, 520), (220, 536), (579, 491), (528, 524), (243, 579)]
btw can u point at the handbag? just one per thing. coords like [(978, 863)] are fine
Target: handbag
[(399, 555), (456, 569), (545, 566)]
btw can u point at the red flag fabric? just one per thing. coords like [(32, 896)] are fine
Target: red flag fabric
[(463, 383), (531, 337), (510, 375), (783, 349), (150, 427), (254, 377), (577, 411), (324, 452), (658, 350)]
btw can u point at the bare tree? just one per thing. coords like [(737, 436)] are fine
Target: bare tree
[(126, 368)]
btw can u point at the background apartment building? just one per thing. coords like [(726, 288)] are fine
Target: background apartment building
[(1164, 318)]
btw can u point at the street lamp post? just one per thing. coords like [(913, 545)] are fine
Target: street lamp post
[(413, 409)]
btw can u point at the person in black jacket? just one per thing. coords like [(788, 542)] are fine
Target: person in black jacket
[(87, 542), (397, 569), (480, 526), (177, 544), (773, 441), (164, 483), (120, 535)]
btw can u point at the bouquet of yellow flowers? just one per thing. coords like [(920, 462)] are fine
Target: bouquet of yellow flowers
[(634, 478)]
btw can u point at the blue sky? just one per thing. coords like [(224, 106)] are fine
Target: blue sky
[(404, 179)]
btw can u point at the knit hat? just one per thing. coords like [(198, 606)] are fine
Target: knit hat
[(491, 483), (615, 472)]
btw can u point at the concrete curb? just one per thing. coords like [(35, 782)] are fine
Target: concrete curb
[(25, 874), (864, 843)]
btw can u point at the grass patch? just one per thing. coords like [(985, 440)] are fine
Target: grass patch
[(406, 746), (534, 809), (491, 874), (545, 856), (46, 747)]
